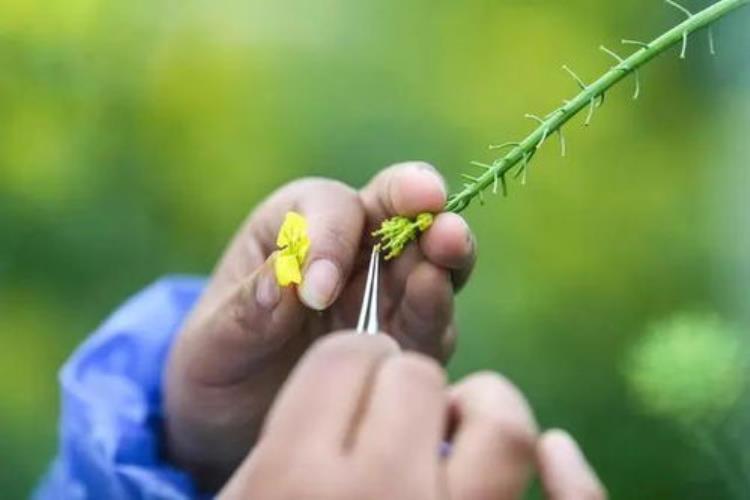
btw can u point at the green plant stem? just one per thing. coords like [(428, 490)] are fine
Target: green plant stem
[(396, 233), (591, 96)]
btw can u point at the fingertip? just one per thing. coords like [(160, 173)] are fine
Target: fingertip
[(417, 187), (558, 439), (320, 285), (449, 243), (564, 470), (557, 449), (336, 219)]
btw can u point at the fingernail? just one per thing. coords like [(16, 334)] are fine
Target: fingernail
[(267, 291), (319, 284)]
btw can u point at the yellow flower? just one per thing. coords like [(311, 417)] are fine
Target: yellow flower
[(293, 245)]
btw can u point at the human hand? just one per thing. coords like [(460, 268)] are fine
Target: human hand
[(246, 333), (358, 419)]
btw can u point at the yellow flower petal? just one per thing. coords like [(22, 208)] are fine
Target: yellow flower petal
[(304, 246), (287, 270), (292, 230), (294, 245)]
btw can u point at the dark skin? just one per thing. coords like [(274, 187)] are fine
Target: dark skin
[(246, 333), (360, 419)]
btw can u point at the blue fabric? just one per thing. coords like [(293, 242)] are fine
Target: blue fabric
[(111, 403)]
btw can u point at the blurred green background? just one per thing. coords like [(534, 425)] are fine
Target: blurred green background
[(135, 136)]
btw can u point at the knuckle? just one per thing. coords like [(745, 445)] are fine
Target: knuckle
[(304, 183), (337, 240), (495, 386), (420, 369), (518, 432), (333, 345), (492, 383), (398, 172), (422, 165), (382, 477), (323, 185), (344, 345), (499, 403), (295, 188)]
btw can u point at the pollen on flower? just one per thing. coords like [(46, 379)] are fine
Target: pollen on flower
[(397, 232), (424, 221), (293, 244)]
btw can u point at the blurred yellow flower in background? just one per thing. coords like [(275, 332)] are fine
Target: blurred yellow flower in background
[(293, 245), (690, 368)]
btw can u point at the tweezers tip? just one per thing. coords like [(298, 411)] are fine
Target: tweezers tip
[(368, 315)]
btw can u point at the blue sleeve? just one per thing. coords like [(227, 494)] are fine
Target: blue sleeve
[(109, 445)]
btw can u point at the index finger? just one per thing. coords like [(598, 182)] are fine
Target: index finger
[(335, 218)]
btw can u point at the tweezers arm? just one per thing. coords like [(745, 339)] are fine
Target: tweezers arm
[(372, 319), (364, 312)]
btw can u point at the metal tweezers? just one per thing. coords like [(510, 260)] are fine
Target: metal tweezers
[(368, 317), (368, 313)]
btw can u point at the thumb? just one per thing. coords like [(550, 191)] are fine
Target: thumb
[(251, 320), (216, 390)]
